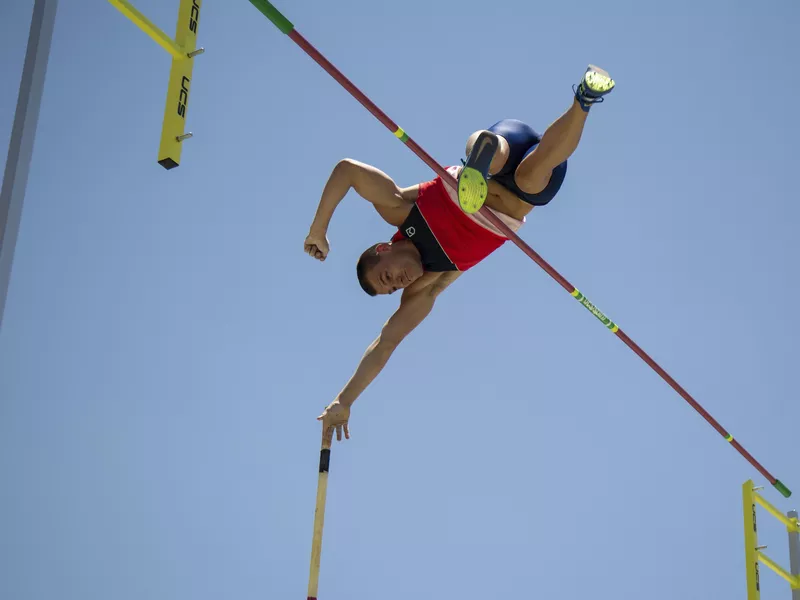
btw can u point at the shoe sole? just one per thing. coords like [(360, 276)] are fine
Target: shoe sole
[(598, 80), (472, 186)]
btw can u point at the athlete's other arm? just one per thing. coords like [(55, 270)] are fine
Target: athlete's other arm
[(416, 303), (372, 184)]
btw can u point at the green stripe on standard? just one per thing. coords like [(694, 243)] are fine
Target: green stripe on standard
[(401, 135), (729, 438), (274, 15), (595, 311)]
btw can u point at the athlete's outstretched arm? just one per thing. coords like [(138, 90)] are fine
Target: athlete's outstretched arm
[(411, 312), (415, 305)]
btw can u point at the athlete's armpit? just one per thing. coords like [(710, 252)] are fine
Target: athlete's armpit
[(431, 282), (443, 281)]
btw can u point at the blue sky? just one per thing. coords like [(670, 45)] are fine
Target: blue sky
[(167, 344)]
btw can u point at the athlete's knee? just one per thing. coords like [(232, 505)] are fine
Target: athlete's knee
[(500, 157), (532, 176), (541, 185)]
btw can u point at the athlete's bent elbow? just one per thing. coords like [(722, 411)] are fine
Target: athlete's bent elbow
[(346, 166), (343, 170)]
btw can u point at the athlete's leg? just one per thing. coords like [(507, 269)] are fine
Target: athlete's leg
[(561, 139)]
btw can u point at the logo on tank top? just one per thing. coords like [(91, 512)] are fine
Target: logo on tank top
[(410, 231)]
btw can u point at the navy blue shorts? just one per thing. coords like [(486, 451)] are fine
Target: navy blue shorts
[(522, 140)]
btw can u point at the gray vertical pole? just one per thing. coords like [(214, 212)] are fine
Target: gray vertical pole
[(794, 553), (15, 179)]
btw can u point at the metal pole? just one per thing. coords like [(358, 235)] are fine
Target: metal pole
[(794, 553), (287, 27), (15, 179)]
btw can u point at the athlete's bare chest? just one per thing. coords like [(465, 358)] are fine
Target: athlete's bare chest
[(501, 200)]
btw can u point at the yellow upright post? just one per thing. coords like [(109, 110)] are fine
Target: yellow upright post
[(180, 81), (183, 49), (753, 552), (750, 541)]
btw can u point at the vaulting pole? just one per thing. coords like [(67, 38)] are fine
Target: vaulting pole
[(319, 520)]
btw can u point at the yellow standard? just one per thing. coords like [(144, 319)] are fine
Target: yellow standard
[(753, 552), (183, 50)]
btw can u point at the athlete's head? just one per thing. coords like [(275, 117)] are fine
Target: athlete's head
[(387, 267)]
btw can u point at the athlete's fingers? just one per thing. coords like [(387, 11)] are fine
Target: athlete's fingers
[(338, 433), (346, 432)]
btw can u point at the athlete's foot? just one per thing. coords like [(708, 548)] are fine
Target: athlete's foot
[(595, 84), (472, 186)]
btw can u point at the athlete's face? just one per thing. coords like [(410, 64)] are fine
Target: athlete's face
[(395, 270)]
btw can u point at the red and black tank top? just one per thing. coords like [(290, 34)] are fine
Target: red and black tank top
[(446, 237)]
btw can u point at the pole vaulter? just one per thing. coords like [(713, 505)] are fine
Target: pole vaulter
[(286, 27)]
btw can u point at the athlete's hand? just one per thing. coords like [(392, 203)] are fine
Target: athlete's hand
[(316, 245), (335, 416)]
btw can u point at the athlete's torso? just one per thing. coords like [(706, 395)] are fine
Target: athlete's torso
[(447, 238), (504, 201)]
